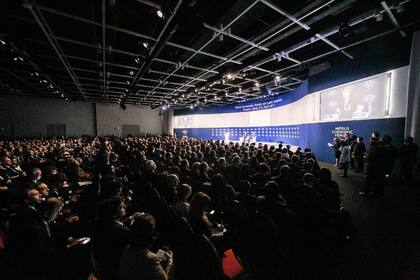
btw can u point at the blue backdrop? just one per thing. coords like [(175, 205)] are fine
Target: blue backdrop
[(315, 135)]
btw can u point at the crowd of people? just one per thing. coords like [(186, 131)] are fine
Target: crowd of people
[(377, 162), (160, 207)]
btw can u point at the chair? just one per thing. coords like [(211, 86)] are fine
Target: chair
[(263, 255), (181, 242), (206, 263)]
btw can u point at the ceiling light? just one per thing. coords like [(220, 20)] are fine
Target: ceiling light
[(191, 107), (137, 60), (239, 89), (159, 13), (379, 17), (146, 45), (2, 42), (257, 84), (127, 82), (131, 73), (229, 76), (18, 58), (277, 78)]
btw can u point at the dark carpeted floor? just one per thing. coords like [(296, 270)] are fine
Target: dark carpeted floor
[(387, 240)]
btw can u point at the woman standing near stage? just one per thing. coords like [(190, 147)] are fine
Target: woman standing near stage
[(336, 147)]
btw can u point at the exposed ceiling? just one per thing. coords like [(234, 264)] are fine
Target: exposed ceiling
[(200, 53)]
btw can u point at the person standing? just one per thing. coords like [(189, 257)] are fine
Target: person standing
[(353, 143), (359, 151), (408, 159), (345, 157), (375, 170), (336, 147)]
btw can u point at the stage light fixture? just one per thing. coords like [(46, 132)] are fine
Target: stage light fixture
[(18, 58), (137, 60), (145, 45), (131, 73), (159, 13), (277, 78), (229, 76), (2, 42), (257, 84), (191, 107), (379, 17)]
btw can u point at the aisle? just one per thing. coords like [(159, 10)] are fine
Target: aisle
[(387, 245)]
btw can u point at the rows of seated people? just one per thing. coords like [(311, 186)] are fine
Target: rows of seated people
[(158, 207)]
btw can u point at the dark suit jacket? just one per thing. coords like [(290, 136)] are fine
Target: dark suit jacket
[(30, 243), (109, 240)]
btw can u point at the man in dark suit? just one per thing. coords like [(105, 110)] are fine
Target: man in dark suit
[(30, 246), (109, 238)]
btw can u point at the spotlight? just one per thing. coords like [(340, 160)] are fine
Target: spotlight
[(277, 78), (159, 13), (146, 45), (229, 76)]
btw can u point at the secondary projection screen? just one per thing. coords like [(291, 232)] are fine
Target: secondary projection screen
[(360, 100)]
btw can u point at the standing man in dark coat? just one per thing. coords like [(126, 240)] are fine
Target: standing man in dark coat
[(359, 151), (408, 159), (375, 170)]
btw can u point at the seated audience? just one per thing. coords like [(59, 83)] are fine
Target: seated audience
[(137, 261)]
